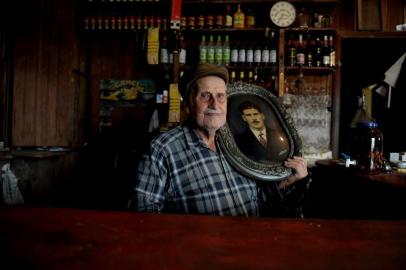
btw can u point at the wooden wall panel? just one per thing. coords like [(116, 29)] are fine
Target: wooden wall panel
[(392, 14), (45, 55)]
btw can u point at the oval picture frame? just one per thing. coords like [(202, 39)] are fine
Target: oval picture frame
[(241, 147)]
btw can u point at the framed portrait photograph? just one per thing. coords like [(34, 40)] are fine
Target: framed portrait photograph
[(259, 134)]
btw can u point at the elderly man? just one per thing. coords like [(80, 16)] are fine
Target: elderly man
[(185, 171)]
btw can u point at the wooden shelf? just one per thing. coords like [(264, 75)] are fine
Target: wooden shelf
[(371, 34)]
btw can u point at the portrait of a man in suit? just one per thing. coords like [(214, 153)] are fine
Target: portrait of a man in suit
[(259, 141)]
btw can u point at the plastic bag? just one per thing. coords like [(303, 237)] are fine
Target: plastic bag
[(11, 192)]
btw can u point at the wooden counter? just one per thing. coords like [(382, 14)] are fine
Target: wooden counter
[(49, 238)]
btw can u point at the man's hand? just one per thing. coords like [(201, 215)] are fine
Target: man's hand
[(299, 165)]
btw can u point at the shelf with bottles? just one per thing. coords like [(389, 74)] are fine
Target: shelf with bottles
[(107, 17), (243, 14), (310, 51)]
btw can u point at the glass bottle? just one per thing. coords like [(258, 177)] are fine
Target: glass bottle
[(250, 19), (218, 51), (226, 51), (291, 52), (234, 54), (239, 18), (228, 17), (300, 52), (368, 148), (210, 50), (332, 51), (273, 53), (182, 50), (203, 50)]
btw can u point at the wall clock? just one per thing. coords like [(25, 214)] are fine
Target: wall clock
[(283, 14)]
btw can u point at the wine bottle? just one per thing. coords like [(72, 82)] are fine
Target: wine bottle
[(210, 50), (203, 50), (226, 51), (234, 54), (218, 51), (273, 54)]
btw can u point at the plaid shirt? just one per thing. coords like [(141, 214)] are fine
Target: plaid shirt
[(182, 175)]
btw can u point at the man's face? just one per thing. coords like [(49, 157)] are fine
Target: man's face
[(254, 118), (210, 103)]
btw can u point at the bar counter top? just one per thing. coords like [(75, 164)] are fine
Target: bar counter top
[(58, 238)]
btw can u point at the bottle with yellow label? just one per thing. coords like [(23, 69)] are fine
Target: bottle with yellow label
[(239, 18)]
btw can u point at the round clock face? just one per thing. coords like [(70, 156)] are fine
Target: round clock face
[(283, 14)]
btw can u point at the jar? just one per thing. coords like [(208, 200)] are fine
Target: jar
[(368, 148)]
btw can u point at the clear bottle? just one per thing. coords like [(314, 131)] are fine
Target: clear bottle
[(368, 148)]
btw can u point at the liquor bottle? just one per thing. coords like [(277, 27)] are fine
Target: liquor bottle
[(182, 50), (234, 54), (250, 19), (258, 55), (164, 50), (368, 147), (249, 55), (201, 21), (291, 52), (210, 50), (300, 52), (233, 76), (226, 51), (239, 18), (326, 52), (218, 51), (219, 21), (332, 52), (309, 51), (242, 76), (209, 21), (242, 55), (228, 17), (203, 50), (250, 76), (273, 54), (265, 50), (318, 56)]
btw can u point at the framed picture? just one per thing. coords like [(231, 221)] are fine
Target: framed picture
[(259, 134)]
